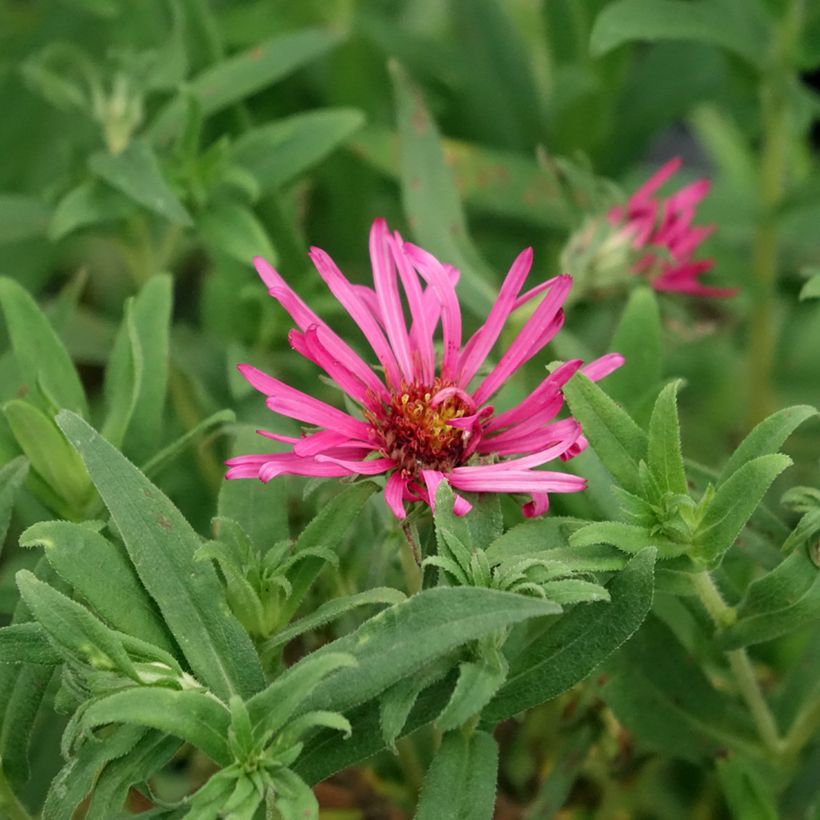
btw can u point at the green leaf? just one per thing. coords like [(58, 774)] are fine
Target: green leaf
[(568, 591), (21, 217), (767, 437), (627, 537), (811, 289), (409, 635), (727, 25), (137, 174), (41, 356), (461, 781), (430, 198), (331, 610), (664, 457), (326, 530), (746, 792), (102, 575), (278, 152), (234, 229), (73, 629), (782, 601), (91, 203), (27, 643), (196, 717), (161, 545), (76, 779), (579, 642), (733, 504), (239, 76), (49, 453), (478, 681), (616, 439), (663, 697), (638, 339), (12, 476)]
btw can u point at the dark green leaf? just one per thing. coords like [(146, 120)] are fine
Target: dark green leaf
[(21, 217), (746, 791), (12, 476), (27, 643)]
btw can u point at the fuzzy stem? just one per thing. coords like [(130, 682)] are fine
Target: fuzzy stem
[(740, 664), (13, 808)]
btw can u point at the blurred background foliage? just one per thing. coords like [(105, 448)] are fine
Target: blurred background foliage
[(149, 150)]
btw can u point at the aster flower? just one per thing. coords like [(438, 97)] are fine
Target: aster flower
[(426, 421), (661, 230)]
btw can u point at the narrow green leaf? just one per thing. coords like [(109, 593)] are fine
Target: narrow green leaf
[(431, 200), (49, 453), (664, 457), (461, 781), (22, 216), (331, 610), (239, 76), (638, 339), (12, 476), (409, 635), (627, 537), (745, 790), (727, 25), (161, 545), (136, 173), (811, 290), (100, 572), (234, 229), (733, 504), (579, 642), (278, 152), (663, 697), (616, 439), (73, 629), (196, 717), (27, 643), (478, 681), (568, 591), (767, 437), (42, 358), (91, 203)]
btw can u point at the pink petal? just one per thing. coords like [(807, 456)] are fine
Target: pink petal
[(374, 466), (516, 481), (432, 478), (538, 506), (603, 366), (394, 494), (562, 435), (654, 182)]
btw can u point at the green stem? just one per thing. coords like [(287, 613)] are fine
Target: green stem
[(740, 664), (9, 803)]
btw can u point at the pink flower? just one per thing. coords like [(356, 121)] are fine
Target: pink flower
[(424, 422), (664, 229)]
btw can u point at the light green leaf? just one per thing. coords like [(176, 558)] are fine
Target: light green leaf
[(616, 439), (41, 356), (747, 793), (136, 173), (27, 643), (196, 717), (331, 610), (579, 642), (811, 289), (409, 635), (461, 781), (278, 152), (478, 681), (161, 545), (91, 203), (102, 575), (430, 198), (234, 229), (727, 25), (627, 537), (12, 476), (767, 437), (574, 591), (22, 216), (244, 74), (733, 504), (49, 453), (664, 458)]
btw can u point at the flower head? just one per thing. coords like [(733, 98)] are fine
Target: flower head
[(429, 418), (661, 230)]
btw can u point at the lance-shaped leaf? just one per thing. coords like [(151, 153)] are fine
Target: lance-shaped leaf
[(578, 643), (405, 637), (43, 360), (461, 781), (616, 439), (627, 537), (27, 643), (196, 717), (478, 681), (161, 545), (102, 575), (664, 457), (430, 198), (733, 504), (745, 788), (767, 437), (73, 629), (12, 476)]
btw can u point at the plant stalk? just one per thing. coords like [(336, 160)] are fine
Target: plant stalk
[(740, 665)]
